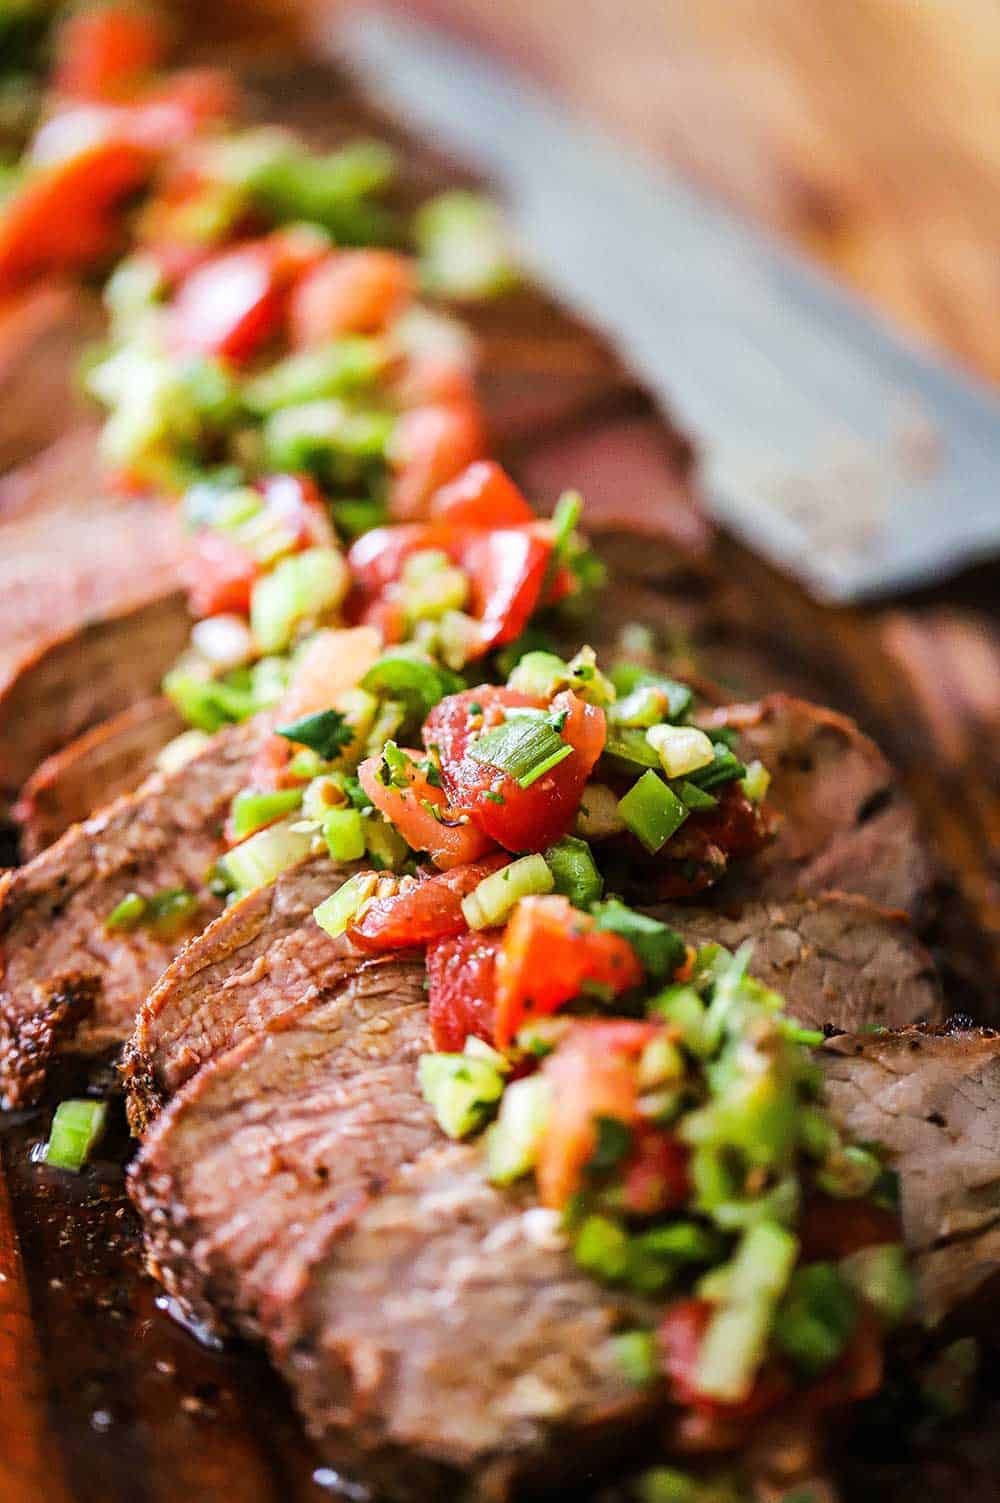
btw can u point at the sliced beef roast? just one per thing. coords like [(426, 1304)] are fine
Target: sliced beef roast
[(112, 758), (260, 958), (837, 959), (43, 332), (844, 822), (65, 977), (932, 1098)]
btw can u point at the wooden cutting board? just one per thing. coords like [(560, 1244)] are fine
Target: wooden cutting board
[(103, 1397)]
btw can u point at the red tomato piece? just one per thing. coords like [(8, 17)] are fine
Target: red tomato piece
[(269, 768), (833, 1229), (62, 219), (431, 445), (482, 496), (655, 1174), (592, 1074), (219, 575), (461, 977), (681, 1333), (520, 819), (104, 53), (377, 558), (431, 379), (507, 568), (427, 910), (230, 306), (447, 835), (550, 952), (296, 501), (350, 292), (180, 107)]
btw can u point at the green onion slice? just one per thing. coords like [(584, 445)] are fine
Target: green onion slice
[(523, 748), (76, 1128)]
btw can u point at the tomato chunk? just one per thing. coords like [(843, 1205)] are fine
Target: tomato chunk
[(296, 502), (655, 1174), (680, 1335), (350, 292), (507, 567), (550, 952), (447, 834), (230, 306), (431, 445), (104, 53), (482, 496), (427, 910), (219, 575), (520, 819), (592, 1074), (461, 979)]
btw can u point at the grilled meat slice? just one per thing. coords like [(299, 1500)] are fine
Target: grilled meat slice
[(931, 1097), (260, 958), (837, 959), (112, 758), (53, 911), (43, 333)]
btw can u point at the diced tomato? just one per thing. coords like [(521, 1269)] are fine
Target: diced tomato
[(447, 835), (388, 617), (427, 910), (833, 1229), (507, 569), (296, 501), (482, 496), (431, 379), (655, 1174), (550, 952), (430, 446), (350, 292), (105, 52), (681, 1333), (334, 660), (177, 109), (269, 771), (62, 219), (592, 1074), (377, 558), (461, 988), (219, 575), (520, 819)]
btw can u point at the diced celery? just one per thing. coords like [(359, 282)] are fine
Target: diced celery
[(340, 368), (461, 1089), (735, 1341), (384, 844), (431, 585), (883, 1279), (659, 1063), (252, 810), (597, 817), (335, 912), (344, 833), (463, 246), (480, 1049), (637, 1356), (304, 587), (602, 1248), (756, 781), (652, 811), (208, 703), (497, 895), (680, 748), (574, 871), (76, 1128), (540, 674), (262, 858), (513, 1141), (646, 706)]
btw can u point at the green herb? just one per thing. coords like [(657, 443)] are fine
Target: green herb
[(326, 733), (659, 948)]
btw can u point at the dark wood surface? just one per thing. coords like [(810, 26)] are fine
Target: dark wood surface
[(103, 1399)]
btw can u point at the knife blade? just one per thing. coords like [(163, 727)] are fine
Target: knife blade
[(829, 442)]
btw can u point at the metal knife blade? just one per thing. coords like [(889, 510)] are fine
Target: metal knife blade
[(831, 444)]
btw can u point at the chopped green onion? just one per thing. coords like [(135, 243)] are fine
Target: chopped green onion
[(658, 947), (637, 1357), (817, 1317), (882, 1277), (170, 911), (262, 858), (627, 677), (340, 368), (337, 911), (326, 733), (126, 915), (601, 1248), (463, 246), (652, 811), (76, 1128), (523, 748), (461, 1089), (734, 1343), (514, 1140), (497, 895), (252, 810), (693, 797), (724, 767), (575, 872), (208, 704), (416, 683), (301, 588), (344, 833)]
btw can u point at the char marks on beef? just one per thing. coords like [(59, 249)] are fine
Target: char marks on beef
[(838, 960), (52, 912), (932, 1099)]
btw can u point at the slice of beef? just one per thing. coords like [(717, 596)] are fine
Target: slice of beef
[(43, 332), (932, 1098), (65, 978), (844, 824), (448, 1330), (838, 960), (112, 758), (262, 957), (279, 1141)]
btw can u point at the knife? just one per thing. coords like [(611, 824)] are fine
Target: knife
[(829, 442)]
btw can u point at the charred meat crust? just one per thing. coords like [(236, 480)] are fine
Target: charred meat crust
[(53, 911), (110, 759)]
